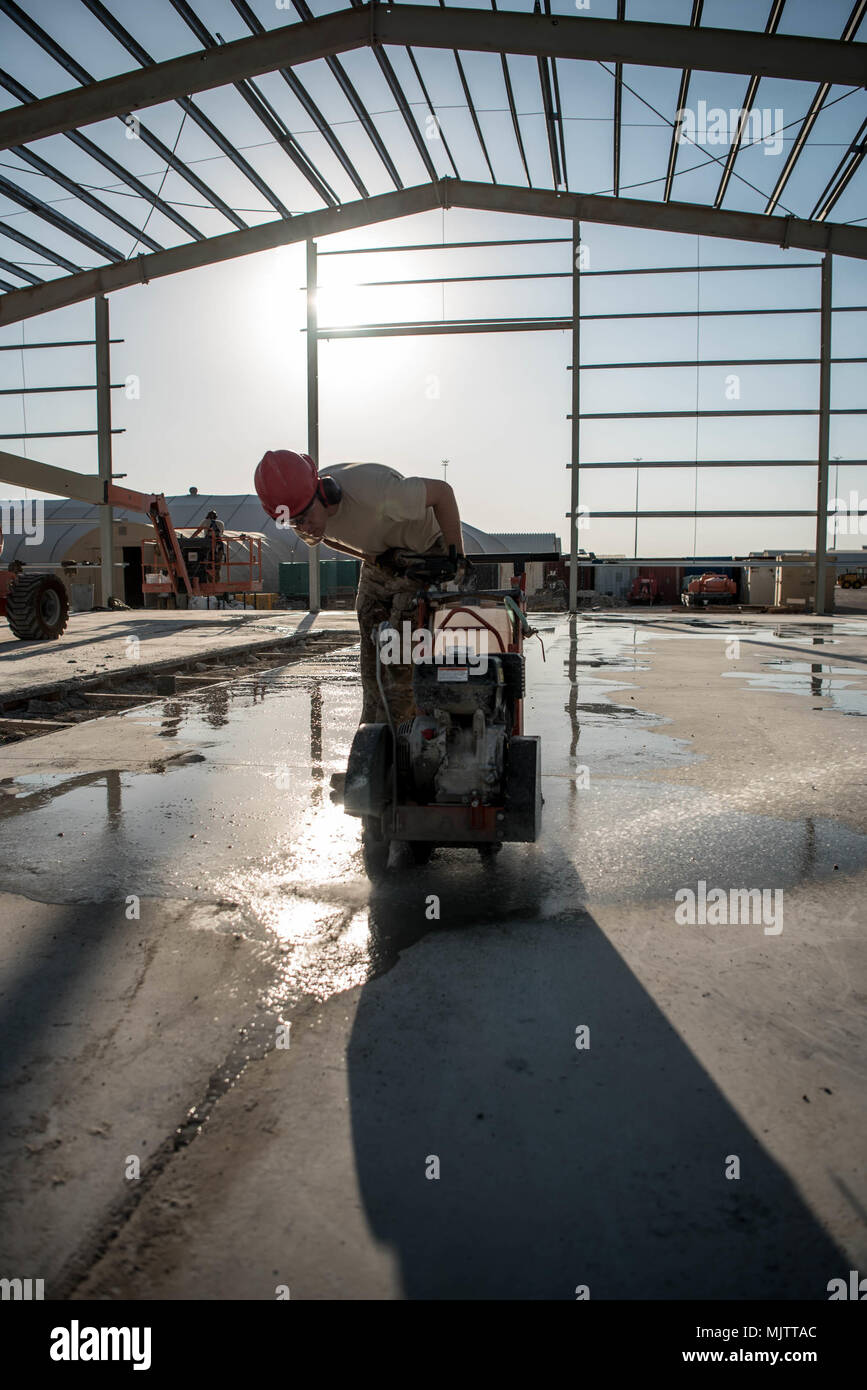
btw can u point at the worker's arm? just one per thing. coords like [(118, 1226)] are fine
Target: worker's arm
[(445, 508)]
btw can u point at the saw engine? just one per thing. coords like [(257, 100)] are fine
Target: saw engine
[(454, 751)]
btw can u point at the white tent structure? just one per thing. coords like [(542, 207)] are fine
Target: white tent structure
[(70, 534)]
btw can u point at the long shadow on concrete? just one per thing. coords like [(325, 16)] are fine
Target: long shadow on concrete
[(602, 1167)]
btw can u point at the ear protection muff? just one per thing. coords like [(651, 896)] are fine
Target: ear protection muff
[(330, 491)]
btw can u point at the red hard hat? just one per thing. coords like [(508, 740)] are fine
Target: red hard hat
[(286, 479)]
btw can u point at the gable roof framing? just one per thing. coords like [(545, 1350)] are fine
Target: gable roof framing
[(690, 48)]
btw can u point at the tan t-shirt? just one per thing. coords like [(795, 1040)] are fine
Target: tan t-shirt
[(381, 510)]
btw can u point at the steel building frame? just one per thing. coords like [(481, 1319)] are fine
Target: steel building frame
[(489, 325), (387, 34)]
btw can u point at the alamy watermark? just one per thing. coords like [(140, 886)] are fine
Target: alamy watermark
[(457, 647), (848, 520), (716, 126), (714, 907), (855, 1288), (24, 517), (77, 1343), (22, 1290)]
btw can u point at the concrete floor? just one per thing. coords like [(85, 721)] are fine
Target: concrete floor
[(111, 644), (722, 749)]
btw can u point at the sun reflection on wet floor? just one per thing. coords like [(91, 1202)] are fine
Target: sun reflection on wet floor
[(243, 824)]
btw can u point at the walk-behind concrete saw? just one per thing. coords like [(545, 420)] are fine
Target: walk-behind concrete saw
[(461, 772)]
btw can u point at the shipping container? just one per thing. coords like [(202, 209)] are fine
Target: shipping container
[(293, 581), (347, 573), (337, 578), (667, 581)]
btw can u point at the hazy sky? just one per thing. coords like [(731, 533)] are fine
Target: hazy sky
[(219, 353)]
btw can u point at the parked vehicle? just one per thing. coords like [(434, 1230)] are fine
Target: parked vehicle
[(36, 606), (644, 590), (700, 590)]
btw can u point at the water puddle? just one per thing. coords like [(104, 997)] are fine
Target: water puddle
[(841, 686)]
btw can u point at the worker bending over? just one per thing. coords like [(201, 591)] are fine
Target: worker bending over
[(366, 510)]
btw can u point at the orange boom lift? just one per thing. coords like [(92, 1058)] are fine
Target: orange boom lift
[(36, 605)]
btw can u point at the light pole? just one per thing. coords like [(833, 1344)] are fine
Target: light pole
[(445, 464), (635, 544)]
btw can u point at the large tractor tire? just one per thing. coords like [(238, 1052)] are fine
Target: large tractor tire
[(37, 608)]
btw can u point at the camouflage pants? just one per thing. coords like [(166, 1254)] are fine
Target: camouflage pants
[(384, 597)]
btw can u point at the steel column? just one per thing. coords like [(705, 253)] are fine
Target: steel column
[(313, 407), (103, 431), (824, 433), (576, 416)]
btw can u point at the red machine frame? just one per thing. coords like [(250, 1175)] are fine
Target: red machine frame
[(475, 824)]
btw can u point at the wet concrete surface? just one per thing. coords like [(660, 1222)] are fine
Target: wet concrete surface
[(817, 679), (126, 642), (411, 1035)]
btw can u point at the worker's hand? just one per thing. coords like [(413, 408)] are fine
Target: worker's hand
[(456, 567), (465, 572)]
